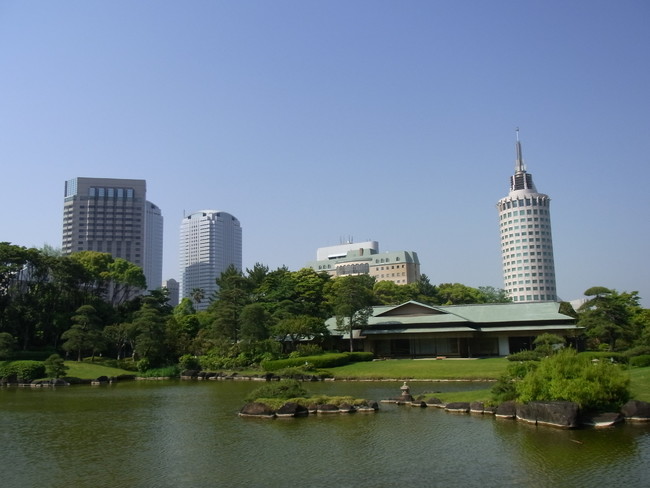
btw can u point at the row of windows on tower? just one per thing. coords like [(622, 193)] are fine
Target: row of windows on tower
[(528, 298), (524, 253), (522, 289), (516, 213), (541, 201), (94, 191), (527, 233), (531, 223), (521, 278)]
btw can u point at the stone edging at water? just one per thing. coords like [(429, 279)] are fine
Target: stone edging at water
[(560, 414), (293, 409)]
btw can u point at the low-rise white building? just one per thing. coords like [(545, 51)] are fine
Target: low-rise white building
[(401, 267)]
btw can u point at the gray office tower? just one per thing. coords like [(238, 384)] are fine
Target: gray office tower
[(113, 216)]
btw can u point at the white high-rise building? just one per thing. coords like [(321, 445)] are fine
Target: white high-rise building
[(153, 245), (526, 240), (211, 241), (112, 215)]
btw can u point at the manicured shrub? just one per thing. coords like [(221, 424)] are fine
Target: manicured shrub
[(284, 389), (640, 361), (575, 378), (330, 360), (637, 351), (505, 389), (188, 361), (25, 371), (295, 372), (303, 350), (357, 357), (54, 366), (525, 355)]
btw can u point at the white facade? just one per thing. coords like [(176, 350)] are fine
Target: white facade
[(153, 245), (526, 240), (400, 267), (340, 251), (211, 241)]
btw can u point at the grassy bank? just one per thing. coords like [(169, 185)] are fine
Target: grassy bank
[(85, 370), (640, 383), (448, 369)]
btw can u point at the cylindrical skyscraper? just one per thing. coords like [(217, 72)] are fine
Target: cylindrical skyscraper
[(526, 240), (211, 241)]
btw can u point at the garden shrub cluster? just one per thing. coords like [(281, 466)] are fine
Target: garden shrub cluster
[(568, 376), (526, 355), (22, 370), (165, 372), (640, 361), (616, 357), (283, 390), (329, 360)]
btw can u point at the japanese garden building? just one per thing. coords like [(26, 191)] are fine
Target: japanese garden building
[(413, 329)]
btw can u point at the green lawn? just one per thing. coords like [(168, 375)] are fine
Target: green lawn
[(454, 369), (85, 370), (460, 369), (640, 383)]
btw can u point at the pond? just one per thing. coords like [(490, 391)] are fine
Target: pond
[(188, 434)]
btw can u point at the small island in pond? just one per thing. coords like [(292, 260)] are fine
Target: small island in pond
[(288, 398)]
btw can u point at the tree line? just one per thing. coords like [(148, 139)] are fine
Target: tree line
[(89, 303)]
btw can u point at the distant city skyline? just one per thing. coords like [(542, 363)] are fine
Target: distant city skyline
[(312, 120)]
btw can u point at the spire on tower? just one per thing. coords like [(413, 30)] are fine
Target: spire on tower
[(520, 167)]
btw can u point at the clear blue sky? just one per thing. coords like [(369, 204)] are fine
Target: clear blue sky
[(312, 121)]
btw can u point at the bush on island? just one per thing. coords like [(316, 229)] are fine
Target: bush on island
[(575, 378), (284, 390)]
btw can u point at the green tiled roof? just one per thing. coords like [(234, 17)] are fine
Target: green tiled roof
[(414, 317)]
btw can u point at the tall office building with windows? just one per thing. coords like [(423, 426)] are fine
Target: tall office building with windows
[(113, 215), (526, 240), (211, 241)]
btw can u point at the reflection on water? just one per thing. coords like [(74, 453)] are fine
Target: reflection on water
[(185, 434)]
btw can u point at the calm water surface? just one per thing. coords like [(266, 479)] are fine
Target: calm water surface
[(187, 434)]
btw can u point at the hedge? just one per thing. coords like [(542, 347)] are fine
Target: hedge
[(640, 361), (330, 360), (24, 371), (616, 357)]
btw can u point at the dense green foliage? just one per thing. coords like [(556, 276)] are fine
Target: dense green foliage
[(640, 361), (284, 389), (565, 375), (55, 366), (25, 371), (568, 376), (614, 321), (90, 304)]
